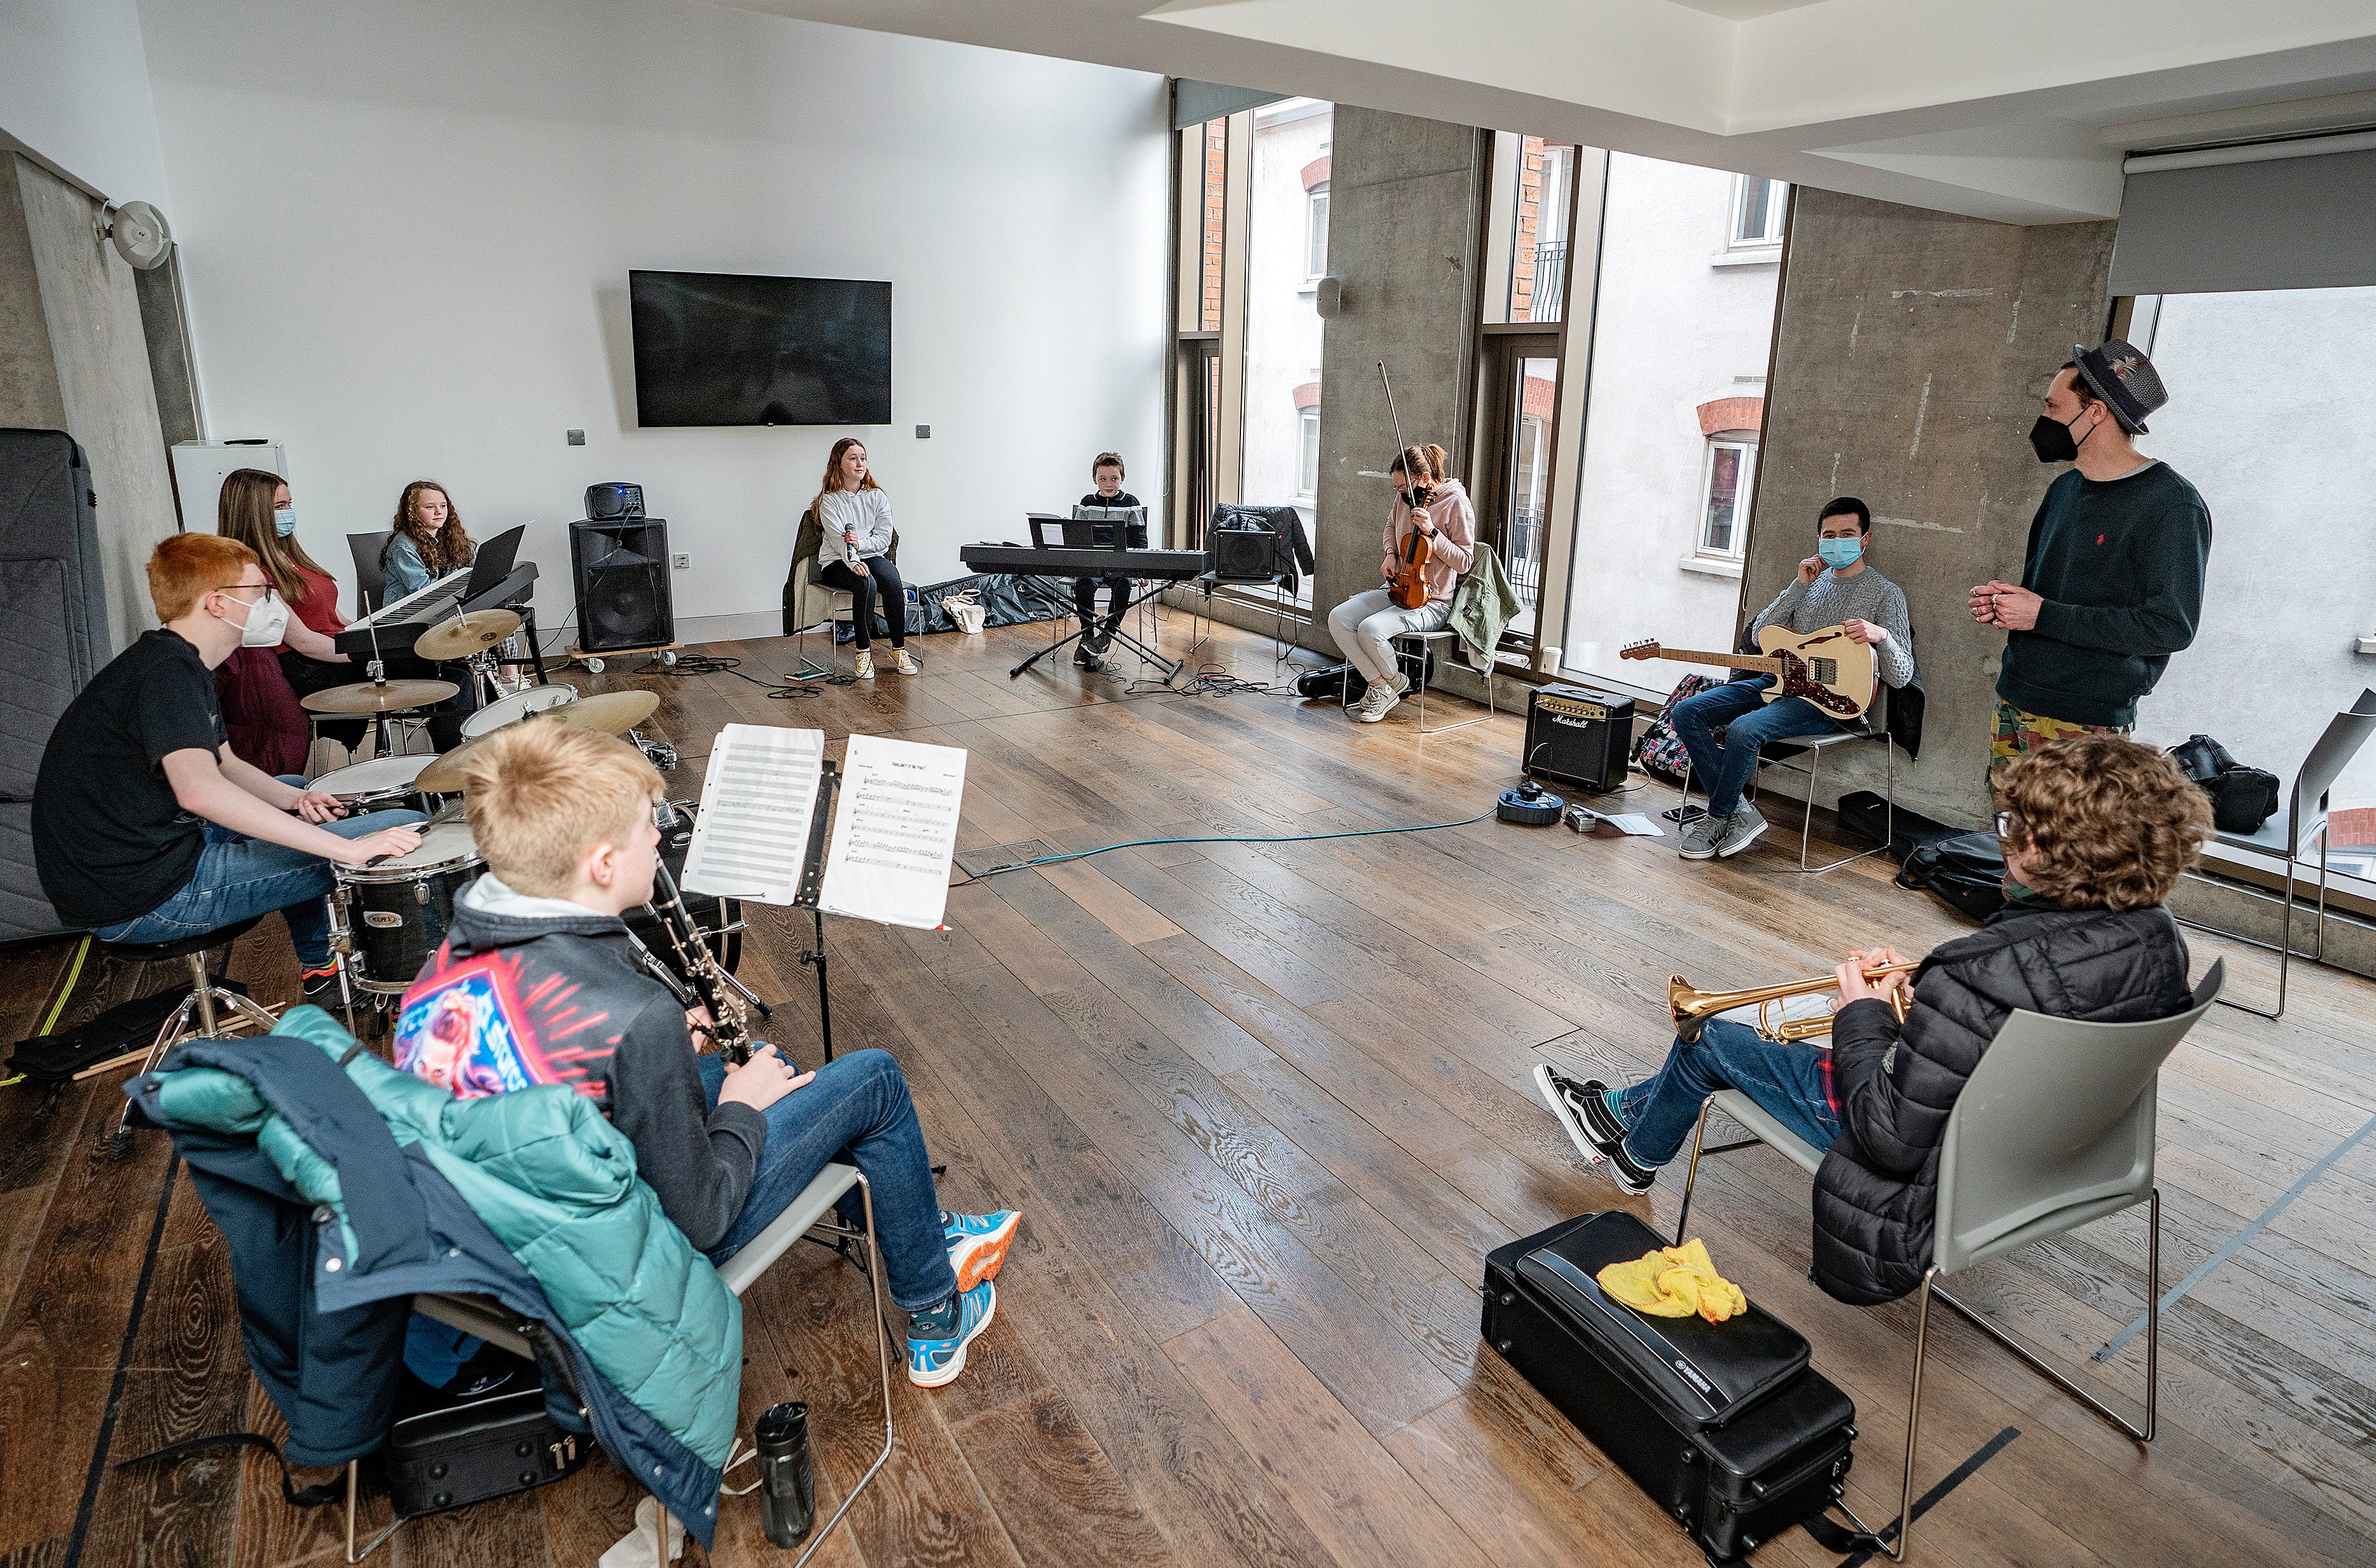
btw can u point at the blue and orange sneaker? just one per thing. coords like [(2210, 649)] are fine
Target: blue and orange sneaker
[(937, 1339), (978, 1244)]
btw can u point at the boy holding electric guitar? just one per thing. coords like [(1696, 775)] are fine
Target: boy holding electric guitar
[(1826, 638)]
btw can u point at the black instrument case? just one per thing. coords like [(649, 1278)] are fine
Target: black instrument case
[(1725, 1425)]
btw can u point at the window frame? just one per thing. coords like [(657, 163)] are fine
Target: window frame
[(1315, 229), (1744, 442), (1777, 209), (1307, 454)]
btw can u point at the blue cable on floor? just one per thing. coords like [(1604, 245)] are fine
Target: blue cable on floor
[(1223, 839)]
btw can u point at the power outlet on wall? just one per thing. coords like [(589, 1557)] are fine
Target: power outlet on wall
[(680, 560), (576, 437)]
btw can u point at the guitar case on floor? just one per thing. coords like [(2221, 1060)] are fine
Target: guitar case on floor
[(1725, 1425)]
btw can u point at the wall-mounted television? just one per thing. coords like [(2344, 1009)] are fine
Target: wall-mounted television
[(723, 348)]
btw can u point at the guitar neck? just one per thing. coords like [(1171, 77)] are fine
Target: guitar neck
[(1763, 663)]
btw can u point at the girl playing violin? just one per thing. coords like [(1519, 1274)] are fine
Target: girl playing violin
[(1433, 506)]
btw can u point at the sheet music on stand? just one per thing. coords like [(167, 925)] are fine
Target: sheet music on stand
[(768, 795)]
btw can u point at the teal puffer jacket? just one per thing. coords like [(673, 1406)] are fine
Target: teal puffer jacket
[(556, 1184)]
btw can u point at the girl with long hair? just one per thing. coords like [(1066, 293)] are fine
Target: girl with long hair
[(853, 556), (1428, 502), (255, 510), (425, 540)]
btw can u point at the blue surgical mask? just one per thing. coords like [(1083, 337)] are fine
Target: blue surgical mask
[(284, 521), (1839, 552)]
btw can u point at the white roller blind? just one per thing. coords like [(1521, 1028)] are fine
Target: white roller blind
[(2270, 222)]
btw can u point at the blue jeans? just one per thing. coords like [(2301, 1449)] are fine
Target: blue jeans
[(1723, 770), (239, 876), (1793, 1082), (858, 1112)]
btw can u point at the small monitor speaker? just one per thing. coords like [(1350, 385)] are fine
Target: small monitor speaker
[(619, 571), (613, 499)]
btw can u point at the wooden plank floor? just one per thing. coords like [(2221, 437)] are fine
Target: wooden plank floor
[(1265, 1105)]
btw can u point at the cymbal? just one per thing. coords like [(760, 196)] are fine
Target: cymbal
[(444, 774), (465, 634), (366, 696), (614, 713)]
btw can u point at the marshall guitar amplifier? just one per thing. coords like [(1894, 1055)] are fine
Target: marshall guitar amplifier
[(1579, 736)]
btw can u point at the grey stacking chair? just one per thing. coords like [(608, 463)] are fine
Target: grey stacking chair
[(2055, 1128), (2304, 819), (812, 1211)]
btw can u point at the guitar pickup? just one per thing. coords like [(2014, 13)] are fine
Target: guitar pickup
[(1827, 671)]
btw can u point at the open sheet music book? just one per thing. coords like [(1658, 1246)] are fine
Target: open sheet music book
[(893, 839)]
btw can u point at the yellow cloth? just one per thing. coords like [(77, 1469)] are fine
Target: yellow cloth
[(1675, 1282)]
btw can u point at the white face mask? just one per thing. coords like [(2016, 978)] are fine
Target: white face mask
[(284, 521), (267, 624)]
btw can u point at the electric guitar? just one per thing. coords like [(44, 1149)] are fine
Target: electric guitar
[(1828, 668)]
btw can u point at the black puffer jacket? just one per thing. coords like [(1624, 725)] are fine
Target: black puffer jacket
[(1878, 1189)]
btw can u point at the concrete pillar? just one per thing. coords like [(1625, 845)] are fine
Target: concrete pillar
[(74, 356), (1910, 354), (1402, 237)]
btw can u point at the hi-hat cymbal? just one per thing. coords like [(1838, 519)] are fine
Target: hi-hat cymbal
[(614, 713), (465, 634), (386, 696)]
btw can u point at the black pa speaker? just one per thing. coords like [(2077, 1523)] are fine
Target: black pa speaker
[(1578, 736), (621, 573), (612, 501)]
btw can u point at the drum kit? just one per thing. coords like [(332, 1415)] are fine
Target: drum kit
[(390, 916)]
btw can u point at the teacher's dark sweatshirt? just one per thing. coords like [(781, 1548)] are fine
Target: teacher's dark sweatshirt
[(2119, 563)]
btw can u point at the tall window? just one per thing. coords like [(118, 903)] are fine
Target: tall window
[(1254, 244), (1731, 479), (1757, 209), (1534, 194), (1662, 515)]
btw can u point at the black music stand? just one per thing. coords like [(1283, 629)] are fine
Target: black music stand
[(812, 888)]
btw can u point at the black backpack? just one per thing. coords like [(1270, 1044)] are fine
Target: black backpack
[(2242, 798), (1967, 871)]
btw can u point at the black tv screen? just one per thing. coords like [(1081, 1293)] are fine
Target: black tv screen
[(722, 348)]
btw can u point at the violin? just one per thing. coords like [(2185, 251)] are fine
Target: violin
[(1408, 589)]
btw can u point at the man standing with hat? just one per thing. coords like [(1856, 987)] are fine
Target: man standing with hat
[(2112, 583)]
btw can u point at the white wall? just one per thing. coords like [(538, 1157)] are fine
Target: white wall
[(2266, 418), (1674, 330), (407, 229), (74, 89)]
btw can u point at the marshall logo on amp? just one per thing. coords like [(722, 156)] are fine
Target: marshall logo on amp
[(1579, 736)]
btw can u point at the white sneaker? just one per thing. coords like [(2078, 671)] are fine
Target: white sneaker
[(1402, 682), (904, 663), (865, 670), (1376, 702)]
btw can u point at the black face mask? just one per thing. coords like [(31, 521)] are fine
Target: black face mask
[(2051, 440)]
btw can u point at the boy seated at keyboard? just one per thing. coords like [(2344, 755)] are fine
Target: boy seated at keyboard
[(538, 982)]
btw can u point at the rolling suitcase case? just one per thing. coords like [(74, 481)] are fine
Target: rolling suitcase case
[(448, 1450), (1724, 1425)]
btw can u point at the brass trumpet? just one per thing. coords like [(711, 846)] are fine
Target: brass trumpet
[(1692, 1009)]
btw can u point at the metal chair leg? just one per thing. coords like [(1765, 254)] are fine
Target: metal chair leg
[(353, 1555), (883, 1354), (1691, 1172), (1913, 1421)]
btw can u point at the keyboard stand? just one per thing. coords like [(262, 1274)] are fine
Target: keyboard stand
[(1170, 667)]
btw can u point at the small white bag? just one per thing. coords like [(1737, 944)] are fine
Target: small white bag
[(966, 608)]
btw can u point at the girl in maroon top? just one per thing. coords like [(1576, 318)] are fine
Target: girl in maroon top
[(256, 511)]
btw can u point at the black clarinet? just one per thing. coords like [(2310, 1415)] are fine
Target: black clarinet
[(714, 987)]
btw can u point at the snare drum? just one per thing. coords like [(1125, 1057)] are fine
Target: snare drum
[(378, 785), (514, 708), (397, 912)]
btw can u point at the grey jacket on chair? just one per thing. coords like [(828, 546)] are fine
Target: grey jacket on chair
[(1877, 1192)]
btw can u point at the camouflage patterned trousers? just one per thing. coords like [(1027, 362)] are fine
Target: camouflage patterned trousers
[(2019, 733)]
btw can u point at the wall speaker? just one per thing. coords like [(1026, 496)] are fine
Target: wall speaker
[(1578, 736), (613, 500), (621, 573)]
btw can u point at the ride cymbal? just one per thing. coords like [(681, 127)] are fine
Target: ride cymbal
[(465, 634), (385, 697)]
